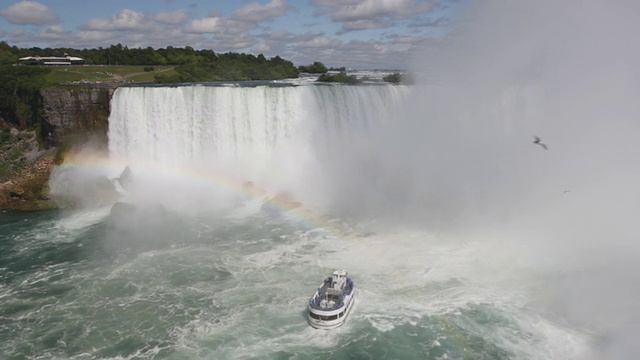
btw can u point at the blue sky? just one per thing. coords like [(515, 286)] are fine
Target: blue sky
[(363, 34)]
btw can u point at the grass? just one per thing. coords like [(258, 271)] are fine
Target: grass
[(104, 73), (149, 76), (61, 76)]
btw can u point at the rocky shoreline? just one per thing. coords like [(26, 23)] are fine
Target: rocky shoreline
[(25, 170)]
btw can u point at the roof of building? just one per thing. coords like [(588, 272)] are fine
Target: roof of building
[(43, 58)]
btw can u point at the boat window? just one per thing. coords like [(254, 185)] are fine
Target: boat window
[(314, 316), (320, 317)]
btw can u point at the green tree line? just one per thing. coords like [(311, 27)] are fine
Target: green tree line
[(113, 55), (20, 99), (191, 65), (231, 67), (315, 68)]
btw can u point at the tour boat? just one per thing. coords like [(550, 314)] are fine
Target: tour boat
[(332, 302)]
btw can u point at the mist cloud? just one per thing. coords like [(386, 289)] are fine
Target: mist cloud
[(568, 72), (458, 158)]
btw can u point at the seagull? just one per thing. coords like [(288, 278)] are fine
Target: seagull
[(537, 141)]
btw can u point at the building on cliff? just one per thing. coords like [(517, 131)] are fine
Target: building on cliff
[(51, 60)]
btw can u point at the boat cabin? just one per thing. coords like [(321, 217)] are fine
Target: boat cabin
[(339, 279), (333, 300)]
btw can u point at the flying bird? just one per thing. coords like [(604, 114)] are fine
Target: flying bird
[(536, 140)]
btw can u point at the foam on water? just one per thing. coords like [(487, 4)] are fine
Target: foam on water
[(467, 247), (436, 279), (237, 288)]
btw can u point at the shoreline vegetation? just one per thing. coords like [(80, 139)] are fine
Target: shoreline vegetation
[(28, 150)]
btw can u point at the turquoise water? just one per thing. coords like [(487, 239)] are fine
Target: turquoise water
[(229, 285)]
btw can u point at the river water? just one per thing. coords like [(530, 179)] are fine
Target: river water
[(240, 201), (465, 240), (234, 285)]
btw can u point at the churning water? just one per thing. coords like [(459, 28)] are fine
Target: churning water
[(210, 266), (465, 239)]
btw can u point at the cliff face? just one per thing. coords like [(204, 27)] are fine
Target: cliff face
[(76, 110), (71, 116)]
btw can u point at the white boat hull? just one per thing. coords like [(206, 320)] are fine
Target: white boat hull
[(322, 319)]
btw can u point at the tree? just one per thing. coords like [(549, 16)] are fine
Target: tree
[(398, 78), (8, 55), (232, 66), (340, 78), (315, 68), (20, 99)]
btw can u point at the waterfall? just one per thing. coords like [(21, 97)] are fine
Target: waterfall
[(283, 137)]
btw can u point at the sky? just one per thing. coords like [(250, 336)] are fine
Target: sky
[(359, 34)]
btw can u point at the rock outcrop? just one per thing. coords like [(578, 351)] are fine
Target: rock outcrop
[(25, 165), (76, 110), (24, 169)]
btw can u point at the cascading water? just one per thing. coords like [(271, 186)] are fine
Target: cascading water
[(280, 137), (212, 277)]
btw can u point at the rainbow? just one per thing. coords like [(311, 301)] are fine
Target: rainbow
[(273, 202)]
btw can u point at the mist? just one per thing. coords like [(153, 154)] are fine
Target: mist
[(460, 157), (453, 155)]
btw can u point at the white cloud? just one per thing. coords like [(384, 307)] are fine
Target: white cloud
[(277, 42), (207, 25), (29, 13), (408, 39), (319, 41), (215, 23), (306, 48), (241, 21), (280, 34), (139, 29), (365, 24), (125, 19), (19, 35), (172, 17), (98, 38), (94, 38), (370, 14), (430, 23), (261, 48), (254, 12), (55, 32), (362, 9), (231, 42), (372, 54)]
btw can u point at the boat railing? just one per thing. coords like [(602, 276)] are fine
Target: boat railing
[(315, 300)]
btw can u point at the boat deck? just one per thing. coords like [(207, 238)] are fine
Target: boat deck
[(333, 296)]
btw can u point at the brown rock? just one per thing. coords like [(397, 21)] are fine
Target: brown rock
[(76, 110), (16, 191)]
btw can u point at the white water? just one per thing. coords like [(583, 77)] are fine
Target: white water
[(473, 215), (364, 152), (280, 138)]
